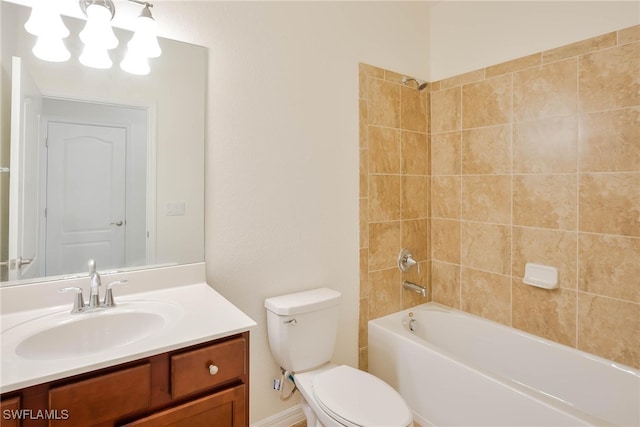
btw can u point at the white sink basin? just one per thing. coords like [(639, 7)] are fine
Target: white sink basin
[(63, 335)]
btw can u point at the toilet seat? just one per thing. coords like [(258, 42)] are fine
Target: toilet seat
[(355, 398)]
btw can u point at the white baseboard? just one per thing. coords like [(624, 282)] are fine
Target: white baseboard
[(286, 418)]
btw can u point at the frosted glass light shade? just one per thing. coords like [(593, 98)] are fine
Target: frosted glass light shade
[(95, 57), (135, 64), (51, 49), (145, 39), (97, 31), (45, 20)]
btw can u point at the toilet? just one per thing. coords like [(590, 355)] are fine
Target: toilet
[(302, 330)]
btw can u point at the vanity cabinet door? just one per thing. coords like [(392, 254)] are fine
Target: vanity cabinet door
[(103, 398), (223, 409), (9, 408)]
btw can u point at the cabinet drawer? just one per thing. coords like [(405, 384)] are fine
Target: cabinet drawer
[(103, 398), (224, 409), (207, 367)]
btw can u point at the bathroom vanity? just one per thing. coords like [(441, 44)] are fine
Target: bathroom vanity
[(172, 388), (186, 363)]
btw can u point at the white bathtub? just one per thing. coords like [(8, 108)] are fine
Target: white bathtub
[(458, 369)]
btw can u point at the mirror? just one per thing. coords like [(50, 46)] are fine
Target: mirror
[(111, 154)]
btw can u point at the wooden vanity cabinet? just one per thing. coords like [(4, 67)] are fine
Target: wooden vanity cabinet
[(8, 408), (202, 385)]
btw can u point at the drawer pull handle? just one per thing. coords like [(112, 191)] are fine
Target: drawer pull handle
[(213, 369)]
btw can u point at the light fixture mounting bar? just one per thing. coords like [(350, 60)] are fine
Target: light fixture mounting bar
[(144, 3), (84, 4)]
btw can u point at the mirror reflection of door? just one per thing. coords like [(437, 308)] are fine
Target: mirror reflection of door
[(85, 209), (24, 192), (95, 186)]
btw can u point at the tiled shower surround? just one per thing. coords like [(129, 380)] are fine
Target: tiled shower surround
[(533, 160)]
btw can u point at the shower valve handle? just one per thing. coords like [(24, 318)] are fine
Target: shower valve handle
[(406, 260)]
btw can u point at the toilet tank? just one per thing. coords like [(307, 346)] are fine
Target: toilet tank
[(302, 328)]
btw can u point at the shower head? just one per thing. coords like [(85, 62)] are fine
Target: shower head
[(419, 83)]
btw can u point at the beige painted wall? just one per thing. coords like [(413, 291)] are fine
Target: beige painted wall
[(282, 176)]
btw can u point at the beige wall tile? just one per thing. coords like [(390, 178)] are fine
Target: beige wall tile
[(580, 48), (514, 65), (384, 150), (486, 198), (629, 35), (546, 146), (362, 123), (487, 150), (610, 141), (371, 70), (415, 153), (609, 328), (486, 247), (486, 294), (487, 103), (609, 78), (610, 266), (364, 71), (445, 197), (547, 201), (462, 79), (546, 91), (446, 110), (384, 197), (445, 283), (384, 244), (445, 240), (415, 236), (385, 292), (364, 222), (546, 313), (446, 154), (364, 173), (364, 273), (363, 365), (384, 103), (529, 109), (547, 247), (610, 203), (413, 109), (415, 196), (363, 317), (392, 76)]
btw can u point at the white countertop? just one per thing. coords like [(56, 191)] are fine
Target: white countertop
[(201, 315)]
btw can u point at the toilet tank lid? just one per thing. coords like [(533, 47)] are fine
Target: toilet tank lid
[(303, 302)]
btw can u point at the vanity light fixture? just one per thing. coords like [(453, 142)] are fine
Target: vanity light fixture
[(143, 44), (46, 24), (98, 36)]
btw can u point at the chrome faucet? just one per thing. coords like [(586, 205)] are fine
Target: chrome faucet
[(96, 282), (414, 287), (94, 296)]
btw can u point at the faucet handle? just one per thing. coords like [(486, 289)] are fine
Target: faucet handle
[(92, 266), (78, 303), (108, 295), (406, 260)]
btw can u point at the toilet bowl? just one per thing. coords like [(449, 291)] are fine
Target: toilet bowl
[(340, 395), (302, 329)]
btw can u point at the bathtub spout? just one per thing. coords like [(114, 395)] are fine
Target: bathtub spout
[(415, 288)]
